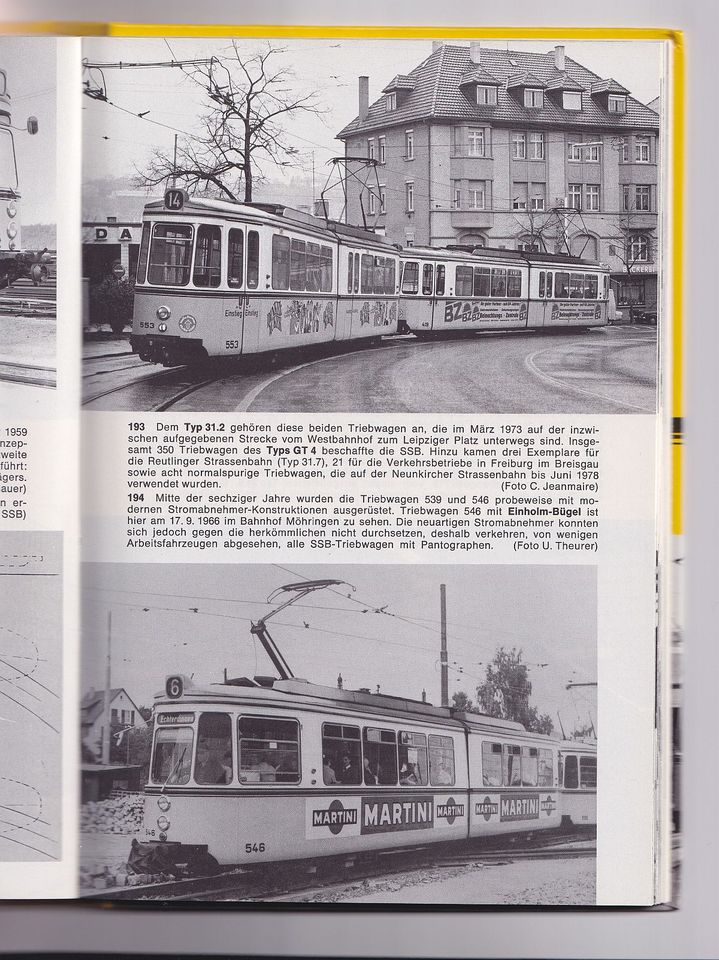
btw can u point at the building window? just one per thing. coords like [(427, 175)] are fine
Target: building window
[(476, 142), (409, 196), (534, 99), (536, 199), (626, 197), (519, 146), (486, 96), (575, 196), (390, 101), (574, 152), (409, 144), (624, 150), (536, 146), (631, 293), (370, 149), (519, 196), (372, 207), (643, 198), (579, 152), (641, 149), (457, 195), (382, 150), (592, 197), (616, 104), (382, 198), (571, 100), (638, 249), (476, 194)]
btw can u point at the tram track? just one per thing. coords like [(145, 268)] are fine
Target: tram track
[(285, 881), (28, 373)]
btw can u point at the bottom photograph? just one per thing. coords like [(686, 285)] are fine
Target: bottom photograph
[(351, 734)]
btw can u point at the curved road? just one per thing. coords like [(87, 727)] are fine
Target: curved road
[(612, 370)]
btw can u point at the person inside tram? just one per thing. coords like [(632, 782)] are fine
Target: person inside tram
[(268, 773), (328, 771), (408, 774), (209, 768), (370, 777), (348, 770)]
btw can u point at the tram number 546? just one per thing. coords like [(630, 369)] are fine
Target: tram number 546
[(254, 848)]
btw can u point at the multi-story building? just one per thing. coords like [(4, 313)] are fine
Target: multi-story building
[(511, 149)]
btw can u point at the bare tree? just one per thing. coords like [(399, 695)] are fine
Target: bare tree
[(634, 245), (249, 98)]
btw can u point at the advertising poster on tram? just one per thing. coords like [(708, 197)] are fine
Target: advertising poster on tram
[(369, 417)]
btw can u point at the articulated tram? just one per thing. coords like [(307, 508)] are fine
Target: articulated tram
[(256, 770), (220, 279)]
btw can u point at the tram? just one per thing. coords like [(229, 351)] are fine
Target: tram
[(578, 781), (221, 279), (12, 260)]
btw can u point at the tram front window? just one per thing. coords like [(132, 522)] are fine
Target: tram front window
[(172, 755), (588, 772), (8, 166), (170, 254), (214, 748)]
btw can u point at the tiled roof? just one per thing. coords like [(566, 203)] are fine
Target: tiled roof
[(563, 82), (608, 86), (436, 94), (523, 79), (93, 703), (400, 82), (478, 75)]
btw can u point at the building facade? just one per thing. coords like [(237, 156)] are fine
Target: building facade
[(514, 150)]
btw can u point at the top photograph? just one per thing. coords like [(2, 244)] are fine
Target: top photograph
[(374, 226)]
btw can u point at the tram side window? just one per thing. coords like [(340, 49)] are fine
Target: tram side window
[(549, 285), (367, 274), (380, 756), (482, 282), (439, 280), (491, 764), (542, 284), (213, 763), (546, 768), (427, 271), (514, 283), (350, 271), (171, 758), (499, 282), (235, 253), (144, 249), (326, 269), (207, 257), (463, 282), (530, 767), (314, 268), (170, 254), (253, 259), (606, 287), (412, 751), (591, 286), (341, 754), (298, 265), (269, 750), (561, 286), (410, 278), (441, 761), (511, 772), (587, 772), (571, 772), (390, 271), (357, 273), (280, 262), (576, 286)]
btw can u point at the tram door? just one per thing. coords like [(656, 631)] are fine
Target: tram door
[(242, 279)]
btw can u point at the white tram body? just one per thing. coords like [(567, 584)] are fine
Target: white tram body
[(444, 292), (221, 279), (271, 770), (578, 781)]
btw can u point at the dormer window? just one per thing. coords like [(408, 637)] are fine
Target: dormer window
[(390, 101), (571, 100), (616, 103), (534, 99), (486, 96)]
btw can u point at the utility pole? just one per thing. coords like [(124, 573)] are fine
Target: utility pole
[(443, 648), (106, 705)]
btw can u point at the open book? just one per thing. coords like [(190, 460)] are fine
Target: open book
[(339, 551)]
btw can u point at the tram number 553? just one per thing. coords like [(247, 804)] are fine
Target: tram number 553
[(254, 848)]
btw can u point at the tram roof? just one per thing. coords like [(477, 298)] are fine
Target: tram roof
[(460, 252), (265, 688), (278, 213)]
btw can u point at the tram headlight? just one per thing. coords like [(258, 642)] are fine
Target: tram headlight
[(11, 210), (163, 803), (12, 230), (162, 327), (162, 313), (12, 244), (163, 823), (187, 323)]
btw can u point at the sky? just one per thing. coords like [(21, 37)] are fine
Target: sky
[(30, 64), (117, 142), (547, 611)]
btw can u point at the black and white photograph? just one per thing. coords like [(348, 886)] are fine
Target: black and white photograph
[(347, 734), (30, 701), (375, 226), (28, 254)]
